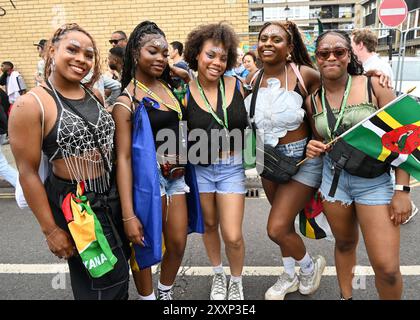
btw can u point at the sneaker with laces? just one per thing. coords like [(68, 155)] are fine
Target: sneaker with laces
[(218, 287), (235, 291), (165, 294), (284, 285), (309, 283), (414, 211)]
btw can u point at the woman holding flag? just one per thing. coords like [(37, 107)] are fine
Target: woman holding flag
[(353, 196), (78, 208), (152, 179)]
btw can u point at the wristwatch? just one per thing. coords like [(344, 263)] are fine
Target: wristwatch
[(401, 187)]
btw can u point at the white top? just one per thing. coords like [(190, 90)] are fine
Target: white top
[(376, 63), (13, 86), (276, 110)]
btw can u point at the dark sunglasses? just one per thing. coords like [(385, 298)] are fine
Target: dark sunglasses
[(338, 53), (115, 41)]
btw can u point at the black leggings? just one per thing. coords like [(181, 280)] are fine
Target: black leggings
[(114, 284)]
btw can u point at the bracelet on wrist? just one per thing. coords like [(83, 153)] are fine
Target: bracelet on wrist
[(51, 233), (128, 219)]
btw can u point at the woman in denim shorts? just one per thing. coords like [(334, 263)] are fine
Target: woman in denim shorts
[(288, 77), (215, 108), (146, 81), (370, 202)]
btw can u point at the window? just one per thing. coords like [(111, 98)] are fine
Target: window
[(418, 24), (256, 15)]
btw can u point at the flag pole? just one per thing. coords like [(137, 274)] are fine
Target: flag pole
[(362, 121)]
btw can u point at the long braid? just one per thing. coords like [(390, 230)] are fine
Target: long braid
[(355, 67), (132, 49), (56, 38)]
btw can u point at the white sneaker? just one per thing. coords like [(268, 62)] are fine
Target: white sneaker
[(414, 211), (165, 295), (218, 287), (284, 285), (309, 283), (235, 291)]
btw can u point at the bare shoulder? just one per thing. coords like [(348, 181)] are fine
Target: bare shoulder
[(311, 77)]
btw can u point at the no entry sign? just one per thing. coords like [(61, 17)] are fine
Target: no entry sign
[(392, 12)]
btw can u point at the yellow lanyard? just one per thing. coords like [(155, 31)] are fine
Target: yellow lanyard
[(175, 107)]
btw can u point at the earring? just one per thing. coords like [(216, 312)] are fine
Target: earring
[(289, 57), (53, 65)]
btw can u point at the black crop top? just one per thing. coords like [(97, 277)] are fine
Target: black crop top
[(197, 118)]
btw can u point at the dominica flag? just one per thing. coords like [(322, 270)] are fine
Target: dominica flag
[(87, 233), (392, 135)]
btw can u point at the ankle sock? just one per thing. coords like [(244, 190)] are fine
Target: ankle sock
[(306, 264), (149, 297), (236, 279), (218, 269), (162, 287), (289, 266)]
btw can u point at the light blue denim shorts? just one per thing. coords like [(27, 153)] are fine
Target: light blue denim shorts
[(310, 171), (366, 191), (223, 176), (172, 187)]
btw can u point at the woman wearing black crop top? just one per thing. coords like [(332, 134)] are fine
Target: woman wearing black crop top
[(145, 81), (215, 105), (77, 159)]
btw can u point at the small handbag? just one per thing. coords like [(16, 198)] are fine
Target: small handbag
[(276, 166)]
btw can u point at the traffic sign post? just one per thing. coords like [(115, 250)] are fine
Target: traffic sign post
[(392, 12)]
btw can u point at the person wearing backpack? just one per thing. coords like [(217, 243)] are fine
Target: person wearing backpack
[(351, 198)]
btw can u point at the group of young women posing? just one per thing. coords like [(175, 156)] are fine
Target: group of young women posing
[(290, 108)]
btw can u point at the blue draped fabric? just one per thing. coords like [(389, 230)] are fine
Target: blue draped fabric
[(146, 190)]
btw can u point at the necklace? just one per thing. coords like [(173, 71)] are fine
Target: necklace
[(210, 108), (175, 106)]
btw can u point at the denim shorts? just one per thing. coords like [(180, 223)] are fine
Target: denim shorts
[(365, 191), (310, 171), (172, 187), (223, 176)]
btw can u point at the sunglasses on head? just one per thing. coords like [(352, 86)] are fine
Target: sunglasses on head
[(115, 41), (338, 53)]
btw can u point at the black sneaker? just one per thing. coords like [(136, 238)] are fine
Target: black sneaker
[(165, 294)]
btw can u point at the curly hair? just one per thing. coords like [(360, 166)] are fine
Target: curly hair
[(131, 51), (299, 54), (220, 33), (56, 38), (355, 67)]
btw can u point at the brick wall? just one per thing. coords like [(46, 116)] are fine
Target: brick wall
[(36, 19)]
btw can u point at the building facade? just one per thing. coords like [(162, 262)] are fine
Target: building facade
[(24, 22), (370, 19)]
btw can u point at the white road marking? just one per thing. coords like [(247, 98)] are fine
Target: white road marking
[(195, 271)]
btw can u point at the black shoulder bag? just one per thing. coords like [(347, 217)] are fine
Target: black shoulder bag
[(275, 165), (348, 157)]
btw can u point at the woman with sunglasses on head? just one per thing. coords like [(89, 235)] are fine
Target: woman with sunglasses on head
[(345, 98), (215, 108), (147, 178), (66, 121), (286, 78)]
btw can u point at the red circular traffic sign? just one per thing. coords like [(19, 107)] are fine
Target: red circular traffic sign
[(392, 12)]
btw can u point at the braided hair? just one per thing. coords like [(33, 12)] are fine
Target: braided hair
[(56, 38), (355, 67), (300, 54), (131, 51)]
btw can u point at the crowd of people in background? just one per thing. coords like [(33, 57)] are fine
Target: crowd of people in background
[(101, 131)]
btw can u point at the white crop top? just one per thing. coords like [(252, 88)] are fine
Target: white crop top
[(277, 110)]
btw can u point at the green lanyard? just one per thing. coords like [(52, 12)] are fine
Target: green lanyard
[(343, 104), (209, 107)]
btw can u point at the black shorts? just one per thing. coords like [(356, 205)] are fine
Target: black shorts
[(114, 284)]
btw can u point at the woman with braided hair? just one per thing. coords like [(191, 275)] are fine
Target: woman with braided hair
[(69, 123), (151, 179)]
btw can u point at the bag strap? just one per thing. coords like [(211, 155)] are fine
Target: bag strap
[(299, 77), (254, 95), (86, 121), (41, 106)]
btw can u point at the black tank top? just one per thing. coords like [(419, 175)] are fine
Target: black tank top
[(197, 118)]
